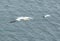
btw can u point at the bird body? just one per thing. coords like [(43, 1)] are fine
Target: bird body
[(47, 16), (23, 18)]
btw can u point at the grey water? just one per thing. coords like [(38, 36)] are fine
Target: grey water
[(38, 29)]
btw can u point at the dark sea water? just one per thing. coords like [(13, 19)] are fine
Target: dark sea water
[(38, 29)]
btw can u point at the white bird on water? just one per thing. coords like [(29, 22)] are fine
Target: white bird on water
[(21, 18), (47, 16)]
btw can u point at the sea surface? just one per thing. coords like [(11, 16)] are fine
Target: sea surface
[(38, 29)]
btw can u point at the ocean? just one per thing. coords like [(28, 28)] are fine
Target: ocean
[(38, 29)]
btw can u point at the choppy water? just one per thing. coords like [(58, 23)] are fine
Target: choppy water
[(38, 29)]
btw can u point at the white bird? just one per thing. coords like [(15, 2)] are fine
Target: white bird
[(21, 18), (47, 16)]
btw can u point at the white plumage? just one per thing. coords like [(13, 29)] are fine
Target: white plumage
[(47, 16), (23, 18)]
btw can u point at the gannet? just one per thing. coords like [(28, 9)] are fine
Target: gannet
[(46, 16), (21, 18)]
